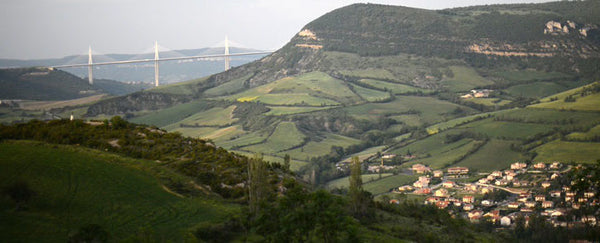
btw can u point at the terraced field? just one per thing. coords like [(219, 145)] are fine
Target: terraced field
[(284, 137), (76, 187), (465, 79)]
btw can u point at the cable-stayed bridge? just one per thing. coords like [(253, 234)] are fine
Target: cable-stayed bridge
[(226, 56)]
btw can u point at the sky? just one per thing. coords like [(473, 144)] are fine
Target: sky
[(34, 29)]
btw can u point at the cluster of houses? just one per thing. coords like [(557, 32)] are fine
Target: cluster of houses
[(477, 93), (532, 189)]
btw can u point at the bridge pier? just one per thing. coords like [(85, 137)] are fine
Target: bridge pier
[(90, 67), (156, 63)]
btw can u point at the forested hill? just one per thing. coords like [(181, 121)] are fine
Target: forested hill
[(51, 84)]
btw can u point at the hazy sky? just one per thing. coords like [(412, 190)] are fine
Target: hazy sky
[(56, 28)]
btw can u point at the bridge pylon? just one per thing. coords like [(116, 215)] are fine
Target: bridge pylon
[(156, 63), (227, 60), (90, 67)]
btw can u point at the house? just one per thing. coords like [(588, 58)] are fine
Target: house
[(582, 200), (394, 201), (458, 170), (510, 177), (420, 169), (501, 182), (468, 207), (555, 193), (540, 198), (431, 200), (513, 205), (497, 173), (388, 156), (493, 215), (405, 188), (570, 194), (422, 191), (457, 204), (518, 166), (442, 204), (441, 193), (485, 190), (554, 176), (486, 203), (468, 199), (589, 219), (448, 184), (588, 194), (438, 173), (505, 221), (555, 165), (471, 187), (547, 204), (530, 204), (539, 166), (421, 184), (546, 184), (475, 215), (569, 198)]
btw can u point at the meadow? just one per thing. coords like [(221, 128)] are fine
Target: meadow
[(75, 187)]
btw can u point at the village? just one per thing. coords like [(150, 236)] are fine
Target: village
[(505, 196)]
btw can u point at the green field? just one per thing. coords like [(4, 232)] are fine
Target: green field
[(594, 132), (288, 110), (409, 119), (244, 140), (75, 187), (230, 87), (386, 184), (489, 101), (531, 75), (430, 110), (362, 155), (171, 115), (345, 181), (395, 88), (442, 156), (224, 134), (564, 151), (285, 136), (294, 90), (370, 95), (442, 126), (464, 79), (586, 103), (494, 155), (216, 116), (320, 148), (374, 73), (535, 90), (505, 130)]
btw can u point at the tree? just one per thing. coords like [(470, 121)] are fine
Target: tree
[(259, 189), (20, 193), (359, 199), (89, 233), (286, 161)]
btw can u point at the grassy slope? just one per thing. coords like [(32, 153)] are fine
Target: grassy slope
[(494, 155), (77, 186), (465, 79), (285, 136), (564, 151)]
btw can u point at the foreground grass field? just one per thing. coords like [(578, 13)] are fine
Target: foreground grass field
[(75, 187)]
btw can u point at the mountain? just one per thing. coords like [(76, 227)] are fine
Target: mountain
[(51, 84), (171, 71), (442, 88)]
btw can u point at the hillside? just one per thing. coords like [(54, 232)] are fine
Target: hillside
[(442, 88), (76, 187), (50, 84)]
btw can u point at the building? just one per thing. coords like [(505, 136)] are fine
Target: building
[(518, 166), (442, 204), (546, 184), (486, 203), (468, 199), (438, 173), (420, 169), (540, 198), (505, 221), (547, 204), (539, 166), (555, 193), (468, 207), (441, 193), (513, 205), (458, 170), (448, 184), (422, 191), (555, 165), (405, 188), (530, 204)]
